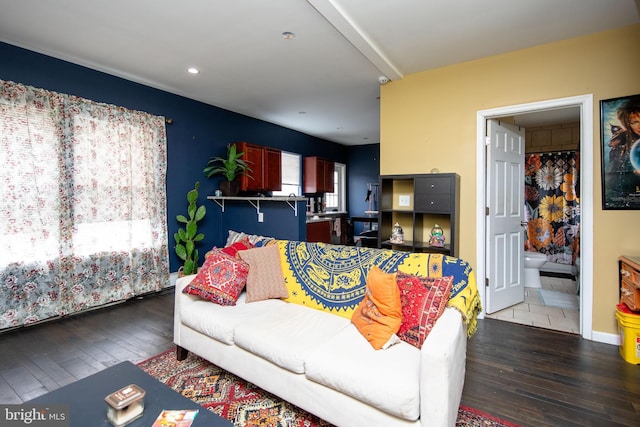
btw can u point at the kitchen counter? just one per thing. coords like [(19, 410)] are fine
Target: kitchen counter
[(326, 214), (318, 219)]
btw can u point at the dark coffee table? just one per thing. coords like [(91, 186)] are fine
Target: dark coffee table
[(88, 408)]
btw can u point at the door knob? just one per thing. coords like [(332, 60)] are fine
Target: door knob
[(524, 223)]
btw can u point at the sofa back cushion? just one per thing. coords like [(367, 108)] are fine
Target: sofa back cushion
[(333, 278)]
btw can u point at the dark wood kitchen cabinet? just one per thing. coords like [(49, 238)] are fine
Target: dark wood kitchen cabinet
[(272, 169), (318, 175), (319, 231), (266, 166)]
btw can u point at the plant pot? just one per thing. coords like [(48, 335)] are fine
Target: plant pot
[(230, 188)]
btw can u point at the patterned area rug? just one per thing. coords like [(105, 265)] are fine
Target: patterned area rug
[(245, 404)]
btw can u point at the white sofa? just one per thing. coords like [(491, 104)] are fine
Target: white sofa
[(321, 363)]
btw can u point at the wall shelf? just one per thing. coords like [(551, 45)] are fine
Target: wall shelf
[(255, 201)]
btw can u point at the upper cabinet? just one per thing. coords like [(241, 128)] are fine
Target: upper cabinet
[(318, 175), (272, 169), (266, 166)]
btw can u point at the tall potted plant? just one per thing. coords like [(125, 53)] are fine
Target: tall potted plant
[(231, 167), (187, 237)]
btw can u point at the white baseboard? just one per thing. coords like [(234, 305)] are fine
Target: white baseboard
[(172, 280), (606, 338)]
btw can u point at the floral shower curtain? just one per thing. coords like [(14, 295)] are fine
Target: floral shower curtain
[(552, 205), (82, 204)]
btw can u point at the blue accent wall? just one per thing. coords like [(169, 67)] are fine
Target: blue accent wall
[(363, 168), (280, 219), (199, 131)]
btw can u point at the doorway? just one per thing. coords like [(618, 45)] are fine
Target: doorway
[(585, 277), (536, 211)]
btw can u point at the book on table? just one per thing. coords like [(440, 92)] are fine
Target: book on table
[(175, 418)]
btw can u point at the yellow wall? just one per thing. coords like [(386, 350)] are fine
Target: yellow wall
[(428, 120)]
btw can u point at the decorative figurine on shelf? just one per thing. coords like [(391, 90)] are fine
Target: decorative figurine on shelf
[(397, 235), (437, 237)]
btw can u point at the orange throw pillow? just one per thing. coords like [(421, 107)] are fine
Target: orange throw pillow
[(379, 314)]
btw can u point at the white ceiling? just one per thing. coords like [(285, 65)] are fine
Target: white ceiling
[(324, 81)]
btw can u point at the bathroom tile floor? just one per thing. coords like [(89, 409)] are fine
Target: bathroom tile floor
[(533, 311)]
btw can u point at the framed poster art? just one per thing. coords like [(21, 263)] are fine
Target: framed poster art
[(620, 139)]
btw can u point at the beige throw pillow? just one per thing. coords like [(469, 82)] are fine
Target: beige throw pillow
[(265, 279)]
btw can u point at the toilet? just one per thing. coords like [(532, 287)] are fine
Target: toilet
[(532, 263)]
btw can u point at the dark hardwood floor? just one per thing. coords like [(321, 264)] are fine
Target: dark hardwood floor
[(539, 377), (43, 357), (529, 376)]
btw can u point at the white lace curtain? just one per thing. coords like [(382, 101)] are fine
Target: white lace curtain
[(82, 204)]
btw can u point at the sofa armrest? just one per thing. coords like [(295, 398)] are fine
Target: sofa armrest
[(181, 283), (442, 370)]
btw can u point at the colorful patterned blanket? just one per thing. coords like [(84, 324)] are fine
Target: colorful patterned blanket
[(333, 278)]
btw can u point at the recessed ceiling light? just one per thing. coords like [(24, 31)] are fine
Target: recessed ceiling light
[(193, 70), (288, 35)]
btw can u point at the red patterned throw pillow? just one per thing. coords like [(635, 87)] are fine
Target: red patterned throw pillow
[(423, 300), (220, 279), (234, 248)]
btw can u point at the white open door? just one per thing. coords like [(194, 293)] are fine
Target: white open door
[(505, 232)]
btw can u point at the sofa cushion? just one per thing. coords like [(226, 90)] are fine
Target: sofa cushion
[(287, 338), (379, 314), (265, 279), (388, 380), (219, 322), (220, 279), (423, 301)]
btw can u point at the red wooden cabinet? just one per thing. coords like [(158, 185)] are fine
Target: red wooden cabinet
[(318, 175), (319, 231), (265, 164), (329, 168), (272, 169), (251, 181)]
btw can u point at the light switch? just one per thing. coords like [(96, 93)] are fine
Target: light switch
[(404, 200), (260, 216)]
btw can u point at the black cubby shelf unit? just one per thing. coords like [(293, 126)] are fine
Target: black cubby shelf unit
[(418, 203)]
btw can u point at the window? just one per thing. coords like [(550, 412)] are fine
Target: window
[(337, 199), (28, 220), (291, 182), (82, 204)]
